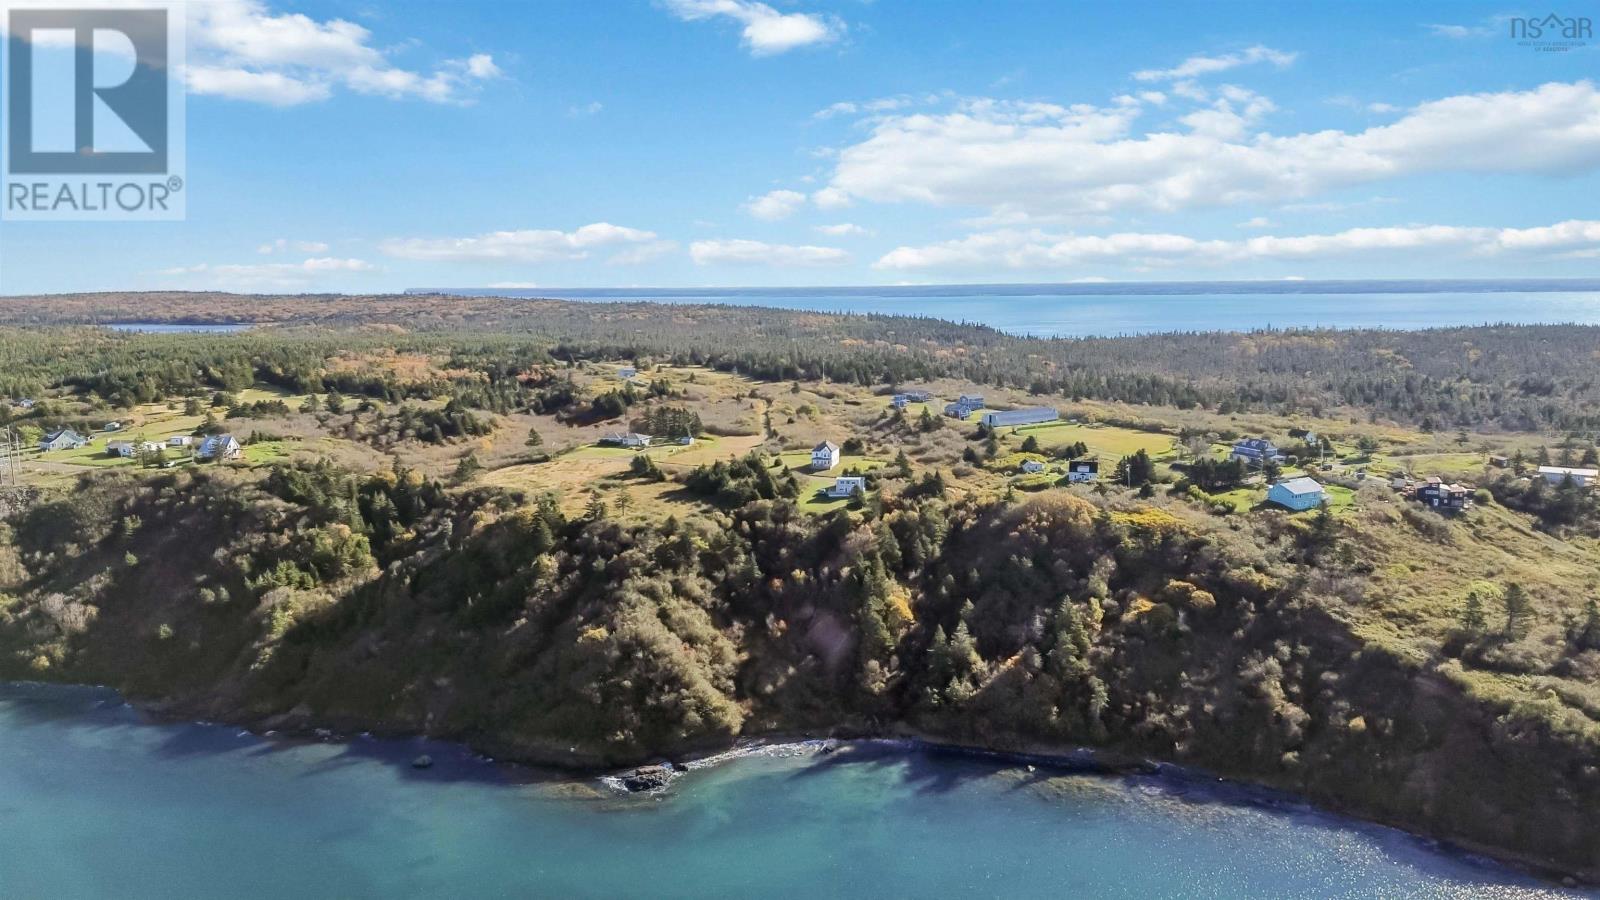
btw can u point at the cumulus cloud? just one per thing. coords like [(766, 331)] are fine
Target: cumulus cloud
[(1046, 159), (243, 50), (526, 246), (765, 31), (757, 253), (1196, 66), (844, 229), (775, 205), (1039, 250)]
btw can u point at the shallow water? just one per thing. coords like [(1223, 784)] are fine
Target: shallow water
[(96, 802)]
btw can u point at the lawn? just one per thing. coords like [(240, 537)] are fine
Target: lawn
[(1105, 441)]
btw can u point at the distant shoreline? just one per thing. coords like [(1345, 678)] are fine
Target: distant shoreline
[(1053, 289)]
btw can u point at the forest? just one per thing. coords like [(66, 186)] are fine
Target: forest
[(1529, 378)]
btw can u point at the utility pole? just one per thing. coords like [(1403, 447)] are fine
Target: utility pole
[(10, 458)]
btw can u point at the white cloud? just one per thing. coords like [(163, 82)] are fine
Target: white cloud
[(1039, 250), (1196, 66), (844, 229), (1257, 222), (756, 253), (271, 88), (259, 275), (592, 108), (766, 31), (282, 244), (1460, 32), (242, 50), (643, 253), (526, 246), (775, 205), (1046, 159), (513, 285)]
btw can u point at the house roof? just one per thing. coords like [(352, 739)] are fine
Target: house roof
[(62, 431), (829, 446), (1300, 485), (1568, 470)]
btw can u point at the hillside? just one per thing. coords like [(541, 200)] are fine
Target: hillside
[(425, 531)]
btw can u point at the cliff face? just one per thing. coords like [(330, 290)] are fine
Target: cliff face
[(385, 604)]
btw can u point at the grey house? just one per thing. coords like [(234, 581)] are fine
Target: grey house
[(64, 439), (1029, 416)]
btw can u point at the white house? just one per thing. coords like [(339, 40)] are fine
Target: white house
[(1032, 467), (221, 446), (627, 372), (631, 439), (1558, 474), (180, 440), (847, 485), (120, 448), (149, 446), (824, 456), (1083, 471), (113, 426)]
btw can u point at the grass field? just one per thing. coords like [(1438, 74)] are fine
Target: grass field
[(1104, 441)]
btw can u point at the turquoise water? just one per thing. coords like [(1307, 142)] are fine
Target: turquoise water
[(1085, 310), (96, 802)]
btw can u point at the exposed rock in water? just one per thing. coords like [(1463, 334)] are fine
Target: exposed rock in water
[(647, 778), (422, 762)]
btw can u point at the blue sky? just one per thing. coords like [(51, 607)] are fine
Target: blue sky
[(358, 146)]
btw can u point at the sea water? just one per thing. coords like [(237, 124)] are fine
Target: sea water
[(96, 801)]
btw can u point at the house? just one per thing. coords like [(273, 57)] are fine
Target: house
[(1559, 474), (1028, 416), (824, 456), (1256, 452), (631, 439), (973, 400), (150, 447), (124, 449), (1500, 462), (1303, 434), (847, 485), (62, 439), (219, 446), (1083, 471), (627, 372), (1439, 494), (687, 440), (917, 396), (180, 440), (1297, 493), (899, 401), (959, 410), (113, 426), (23, 403), (1032, 467)]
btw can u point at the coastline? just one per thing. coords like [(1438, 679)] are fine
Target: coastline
[(526, 768)]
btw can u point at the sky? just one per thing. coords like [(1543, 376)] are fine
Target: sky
[(357, 146)]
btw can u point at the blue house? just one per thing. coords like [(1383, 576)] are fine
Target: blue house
[(1256, 451), (1297, 493)]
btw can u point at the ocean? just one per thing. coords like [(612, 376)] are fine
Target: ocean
[(96, 801), (1082, 310)]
